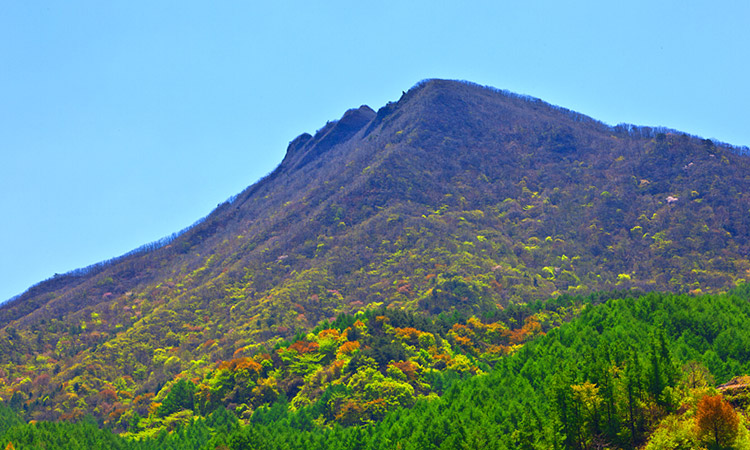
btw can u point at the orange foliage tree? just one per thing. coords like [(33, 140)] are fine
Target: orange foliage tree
[(716, 421), (303, 347), (408, 334), (348, 347)]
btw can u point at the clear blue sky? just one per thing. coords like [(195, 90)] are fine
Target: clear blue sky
[(122, 122)]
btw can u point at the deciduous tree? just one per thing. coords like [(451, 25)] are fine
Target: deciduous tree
[(716, 421)]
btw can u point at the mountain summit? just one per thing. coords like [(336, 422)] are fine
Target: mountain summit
[(455, 199)]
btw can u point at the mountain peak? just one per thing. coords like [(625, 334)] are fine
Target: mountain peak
[(304, 148)]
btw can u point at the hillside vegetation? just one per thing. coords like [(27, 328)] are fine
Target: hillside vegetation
[(390, 255), (627, 372)]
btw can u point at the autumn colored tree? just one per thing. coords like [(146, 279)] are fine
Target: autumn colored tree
[(716, 421)]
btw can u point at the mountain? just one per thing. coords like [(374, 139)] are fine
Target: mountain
[(457, 202)]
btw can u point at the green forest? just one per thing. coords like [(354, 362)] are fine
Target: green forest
[(602, 371)]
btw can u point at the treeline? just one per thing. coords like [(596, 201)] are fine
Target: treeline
[(611, 378), (209, 433)]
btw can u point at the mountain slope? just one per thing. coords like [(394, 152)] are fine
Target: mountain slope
[(456, 199)]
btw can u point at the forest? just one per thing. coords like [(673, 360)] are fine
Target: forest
[(624, 371)]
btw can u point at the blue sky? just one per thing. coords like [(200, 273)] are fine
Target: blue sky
[(122, 122)]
